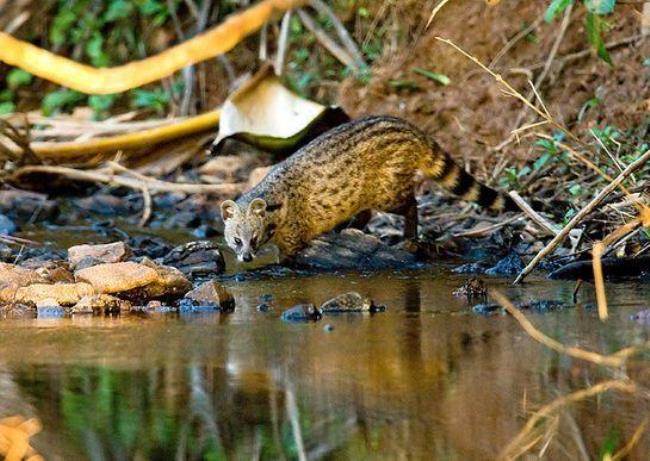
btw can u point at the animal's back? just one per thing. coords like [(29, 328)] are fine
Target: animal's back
[(370, 163)]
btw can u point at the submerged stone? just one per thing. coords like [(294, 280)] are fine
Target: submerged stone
[(302, 313), (350, 302), (101, 304), (7, 226), (472, 288), (642, 317), (214, 294), (510, 265), (50, 311), (538, 305), (264, 307)]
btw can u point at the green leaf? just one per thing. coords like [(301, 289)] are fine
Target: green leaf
[(101, 103), (399, 84), (151, 7), (7, 107), (6, 95), (436, 77), (556, 7), (61, 24), (600, 6), (118, 9), (59, 100), (95, 51), (156, 99), (18, 77), (594, 26)]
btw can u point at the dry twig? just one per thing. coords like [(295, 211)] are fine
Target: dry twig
[(559, 238), (529, 435)]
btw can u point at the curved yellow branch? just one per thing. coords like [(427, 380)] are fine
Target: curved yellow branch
[(87, 79), (59, 151)]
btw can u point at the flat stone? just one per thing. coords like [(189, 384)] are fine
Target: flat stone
[(351, 249), (21, 205), (347, 302), (302, 313), (101, 304), (117, 277), (213, 293), (13, 277), (202, 258), (63, 294), (106, 253), (170, 283)]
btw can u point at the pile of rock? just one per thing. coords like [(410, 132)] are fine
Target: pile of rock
[(105, 279)]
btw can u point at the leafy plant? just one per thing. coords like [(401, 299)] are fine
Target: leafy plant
[(595, 25)]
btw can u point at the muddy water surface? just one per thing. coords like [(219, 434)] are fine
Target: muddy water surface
[(427, 379)]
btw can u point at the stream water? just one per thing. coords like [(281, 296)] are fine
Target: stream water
[(427, 379)]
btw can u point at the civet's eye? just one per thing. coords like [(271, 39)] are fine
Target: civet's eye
[(237, 241)]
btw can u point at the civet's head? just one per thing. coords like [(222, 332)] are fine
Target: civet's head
[(245, 229)]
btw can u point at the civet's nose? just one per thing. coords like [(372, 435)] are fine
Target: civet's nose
[(247, 258)]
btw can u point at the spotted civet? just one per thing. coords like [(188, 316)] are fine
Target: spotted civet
[(367, 164)]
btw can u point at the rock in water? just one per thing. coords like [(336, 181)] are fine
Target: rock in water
[(350, 302), (510, 265), (106, 253), (201, 258), (472, 288), (13, 277), (7, 226), (135, 281), (351, 249), (214, 294), (61, 294), (302, 313), (118, 277), (101, 304)]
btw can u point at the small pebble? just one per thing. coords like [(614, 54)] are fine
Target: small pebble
[(264, 307), (328, 328)]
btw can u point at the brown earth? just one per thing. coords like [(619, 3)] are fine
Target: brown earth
[(471, 116)]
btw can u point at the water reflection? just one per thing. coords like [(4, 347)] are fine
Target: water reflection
[(425, 380)]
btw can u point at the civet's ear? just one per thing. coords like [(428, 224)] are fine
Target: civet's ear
[(257, 207), (228, 209)]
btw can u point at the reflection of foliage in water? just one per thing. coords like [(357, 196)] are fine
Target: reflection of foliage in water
[(169, 412)]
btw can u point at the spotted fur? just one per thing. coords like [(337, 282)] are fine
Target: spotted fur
[(366, 164)]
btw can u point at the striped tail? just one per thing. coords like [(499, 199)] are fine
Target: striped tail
[(452, 177)]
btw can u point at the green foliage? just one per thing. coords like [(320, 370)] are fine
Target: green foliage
[(7, 107), (103, 33), (61, 100), (556, 7), (595, 25), (608, 448), (156, 99), (17, 78), (436, 77)]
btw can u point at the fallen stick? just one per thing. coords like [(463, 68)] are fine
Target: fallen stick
[(60, 151), (559, 238), (87, 79), (154, 185), (540, 220)]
